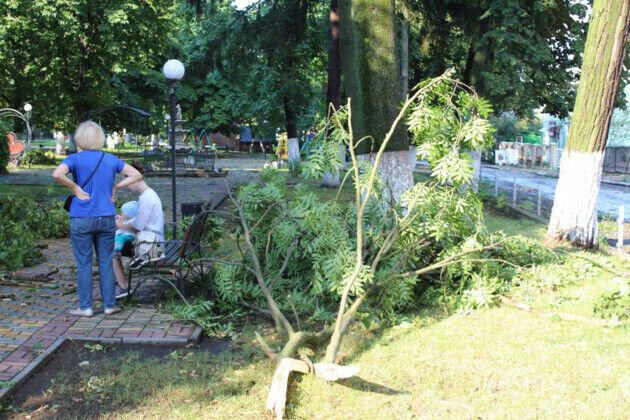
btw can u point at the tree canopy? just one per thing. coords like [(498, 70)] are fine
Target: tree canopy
[(520, 54), (69, 56), (266, 65)]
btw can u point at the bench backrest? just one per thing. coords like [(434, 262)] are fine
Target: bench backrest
[(193, 234)]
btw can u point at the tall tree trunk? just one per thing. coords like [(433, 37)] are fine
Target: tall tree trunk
[(333, 88), (404, 74), (290, 118), (371, 66), (404, 51), (480, 59), (574, 213)]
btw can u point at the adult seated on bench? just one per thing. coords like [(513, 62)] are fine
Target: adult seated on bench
[(149, 220), (176, 259)]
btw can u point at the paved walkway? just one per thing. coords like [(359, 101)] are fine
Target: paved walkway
[(34, 314)]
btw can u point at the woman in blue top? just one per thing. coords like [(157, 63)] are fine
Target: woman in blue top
[(92, 212)]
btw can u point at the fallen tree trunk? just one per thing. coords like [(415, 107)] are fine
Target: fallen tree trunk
[(277, 397)]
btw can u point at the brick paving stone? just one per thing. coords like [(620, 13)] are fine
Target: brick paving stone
[(28, 330)]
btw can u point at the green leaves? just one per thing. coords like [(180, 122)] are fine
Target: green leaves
[(453, 168), (446, 122)]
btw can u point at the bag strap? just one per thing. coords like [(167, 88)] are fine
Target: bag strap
[(94, 171)]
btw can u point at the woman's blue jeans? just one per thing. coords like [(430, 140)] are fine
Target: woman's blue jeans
[(87, 233)]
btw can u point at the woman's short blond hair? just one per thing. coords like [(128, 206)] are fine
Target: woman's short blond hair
[(89, 136)]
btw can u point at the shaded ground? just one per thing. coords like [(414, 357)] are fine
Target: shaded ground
[(38, 396)]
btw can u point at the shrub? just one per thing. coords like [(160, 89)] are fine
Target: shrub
[(39, 157), (24, 222), (18, 244), (532, 138), (614, 304)]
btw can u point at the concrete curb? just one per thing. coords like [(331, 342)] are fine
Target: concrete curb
[(196, 336)]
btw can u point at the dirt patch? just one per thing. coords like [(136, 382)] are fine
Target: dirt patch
[(35, 398)]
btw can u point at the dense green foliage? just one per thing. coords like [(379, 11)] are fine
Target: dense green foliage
[(261, 82), (24, 221), (69, 56), (518, 54), (306, 246), (508, 126), (4, 149), (82, 55), (39, 157), (445, 125)]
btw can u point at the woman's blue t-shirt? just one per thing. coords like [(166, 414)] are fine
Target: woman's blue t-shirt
[(100, 187)]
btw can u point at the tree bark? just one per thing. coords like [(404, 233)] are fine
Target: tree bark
[(480, 59), (333, 88), (574, 213), (404, 51), (290, 118), (372, 74)]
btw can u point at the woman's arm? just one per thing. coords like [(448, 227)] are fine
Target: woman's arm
[(59, 175), (131, 175)]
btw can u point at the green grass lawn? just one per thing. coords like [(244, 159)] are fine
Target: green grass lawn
[(511, 226), (498, 363), (36, 192)]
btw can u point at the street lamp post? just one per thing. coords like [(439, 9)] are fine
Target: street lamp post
[(10, 112), (173, 71)]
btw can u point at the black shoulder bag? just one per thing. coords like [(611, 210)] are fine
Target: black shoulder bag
[(68, 203)]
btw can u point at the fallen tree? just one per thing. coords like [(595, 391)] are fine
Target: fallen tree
[(330, 260)]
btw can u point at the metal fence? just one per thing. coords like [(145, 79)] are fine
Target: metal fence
[(617, 160), (519, 195)]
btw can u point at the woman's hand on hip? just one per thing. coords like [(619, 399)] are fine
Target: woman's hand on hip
[(79, 193)]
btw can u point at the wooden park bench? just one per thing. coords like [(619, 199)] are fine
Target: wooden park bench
[(177, 259), (16, 149)]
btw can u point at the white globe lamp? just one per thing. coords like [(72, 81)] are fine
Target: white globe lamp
[(28, 107), (173, 70)]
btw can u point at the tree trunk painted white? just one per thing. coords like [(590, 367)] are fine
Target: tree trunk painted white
[(574, 214), (294, 150), (333, 179), (413, 157), (396, 175), (476, 164), (60, 147)]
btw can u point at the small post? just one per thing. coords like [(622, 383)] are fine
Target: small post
[(514, 192), (620, 223), (539, 207), (496, 183)]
